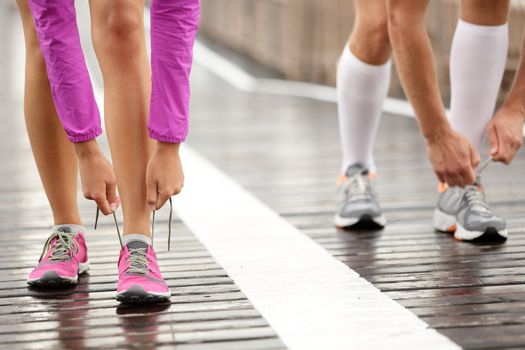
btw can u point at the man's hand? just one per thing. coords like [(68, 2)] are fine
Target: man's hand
[(453, 158), (164, 176), (99, 182), (505, 134)]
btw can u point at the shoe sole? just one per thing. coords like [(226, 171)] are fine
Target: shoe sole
[(490, 235), (364, 221), (443, 222), (52, 280), (137, 295), (447, 223)]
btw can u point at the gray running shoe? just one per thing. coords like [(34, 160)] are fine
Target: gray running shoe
[(467, 213), (357, 201)]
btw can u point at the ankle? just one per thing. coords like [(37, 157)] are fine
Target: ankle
[(136, 237), (75, 227)]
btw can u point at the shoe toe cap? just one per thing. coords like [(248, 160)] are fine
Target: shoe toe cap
[(61, 269), (149, 284), (358, 209), (482, 222)]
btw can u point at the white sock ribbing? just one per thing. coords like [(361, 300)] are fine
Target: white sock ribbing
[(477, 63), (361, 90)]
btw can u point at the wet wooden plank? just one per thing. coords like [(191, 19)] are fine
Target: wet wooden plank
[(286, 151), (207, 310)]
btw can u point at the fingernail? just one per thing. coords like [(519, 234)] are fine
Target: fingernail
[(113, 206)]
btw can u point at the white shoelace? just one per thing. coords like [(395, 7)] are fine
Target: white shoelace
[(138, 261), (358, 187), (474, 194), (64, 248), (476, 199)]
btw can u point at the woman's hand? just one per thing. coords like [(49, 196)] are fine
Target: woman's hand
[(99, 182), (164, 176)]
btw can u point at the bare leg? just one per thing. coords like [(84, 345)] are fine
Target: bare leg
[(54, 154), (369, 40), (485, 12), (120, 45)]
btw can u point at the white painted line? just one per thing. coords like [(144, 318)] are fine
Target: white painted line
[(312, 300)]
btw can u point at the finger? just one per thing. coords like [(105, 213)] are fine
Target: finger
[(504, 149), (474, 157), (111, 194), (102, 203), (450, 180), (440, 177), (514, 147), (151, 196), (162, 198), (469, 177), (492, 134)]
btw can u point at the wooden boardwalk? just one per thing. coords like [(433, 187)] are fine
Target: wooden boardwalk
[(207, 311), (285, 151)]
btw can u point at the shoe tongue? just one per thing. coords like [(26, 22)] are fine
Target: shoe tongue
[(356, 169), (65, 229), (136, 244), (138, 267)]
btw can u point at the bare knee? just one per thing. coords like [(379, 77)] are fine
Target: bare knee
[(370, 40), (405, 17), (485, 12), (119, 31)]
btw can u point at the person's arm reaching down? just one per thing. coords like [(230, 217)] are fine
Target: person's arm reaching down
[(174, 26), (72, 92), (505, 131), (452, 156)]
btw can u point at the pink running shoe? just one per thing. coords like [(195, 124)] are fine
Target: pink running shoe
[(63, 258), (140, 280)]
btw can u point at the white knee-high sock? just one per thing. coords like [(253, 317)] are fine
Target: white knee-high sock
[(361, 90), (477, 64)]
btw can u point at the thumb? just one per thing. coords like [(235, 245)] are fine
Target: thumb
[(492, 134), (111, 194), (474, 157), (152, 193)]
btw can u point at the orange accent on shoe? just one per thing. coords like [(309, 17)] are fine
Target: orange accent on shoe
[(341, 179), (372, 175), (452, 229), (442, 187)]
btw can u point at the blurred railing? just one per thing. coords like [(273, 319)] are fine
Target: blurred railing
[(303, 39)]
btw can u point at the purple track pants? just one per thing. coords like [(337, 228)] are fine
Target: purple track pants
[(174, 25)]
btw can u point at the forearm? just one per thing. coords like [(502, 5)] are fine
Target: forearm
[(56, 27), (87, 149), (174, 26), (516, 98), (415, 65)]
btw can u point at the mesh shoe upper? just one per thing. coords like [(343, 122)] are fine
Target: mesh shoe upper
[(63, 252), (470, 207), (138, 266), (356, 194), (475, 214)]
